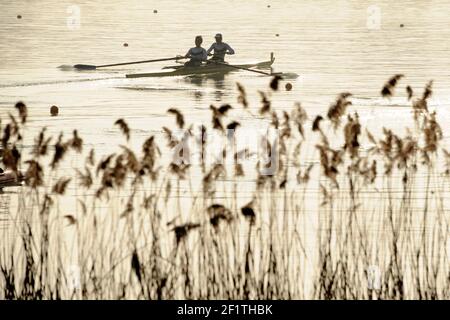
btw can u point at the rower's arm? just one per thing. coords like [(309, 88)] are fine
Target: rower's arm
[(188, 54), (230, 49), (210, 49)]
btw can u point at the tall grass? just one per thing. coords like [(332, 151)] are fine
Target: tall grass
[(363, 217)]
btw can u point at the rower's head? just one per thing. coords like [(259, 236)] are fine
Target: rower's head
[(198, 41), (218, 37)]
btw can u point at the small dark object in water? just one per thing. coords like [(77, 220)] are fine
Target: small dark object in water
[(54, 111), (155, 11), (125, 44), (268, 6), (288, 86), (402, 25), (19, 16), (277, 35)]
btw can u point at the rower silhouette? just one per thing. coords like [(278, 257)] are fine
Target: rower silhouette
[(196, 54), (220, 49)]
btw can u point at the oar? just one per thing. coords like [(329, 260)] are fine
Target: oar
[(284, 75), (243, 68), (91, 67)]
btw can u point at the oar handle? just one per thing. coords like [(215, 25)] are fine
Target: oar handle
[(137, 62)]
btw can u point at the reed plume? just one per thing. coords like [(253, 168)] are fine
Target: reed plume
[(61, 185), (123, 126), (178, 117), (311, 223), (388, 89), (242, 98), (338, 109), (265, 104), (23, 111), (182, 231)]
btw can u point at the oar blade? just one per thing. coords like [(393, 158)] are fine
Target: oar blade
[(289, 75), (84, 67)]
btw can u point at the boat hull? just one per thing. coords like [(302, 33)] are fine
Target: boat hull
[(207, 69)]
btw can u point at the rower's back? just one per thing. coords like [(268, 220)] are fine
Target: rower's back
[(196, 55)]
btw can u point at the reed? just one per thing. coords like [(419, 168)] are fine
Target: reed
[(360, 217)]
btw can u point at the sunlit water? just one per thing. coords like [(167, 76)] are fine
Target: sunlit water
[(335, 46)]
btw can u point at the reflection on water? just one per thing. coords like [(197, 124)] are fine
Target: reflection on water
[(217, 81)]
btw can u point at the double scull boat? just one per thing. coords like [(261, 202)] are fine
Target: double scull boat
[(208, 68)]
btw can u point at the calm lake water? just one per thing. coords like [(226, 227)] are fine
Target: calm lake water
[(335, 46)]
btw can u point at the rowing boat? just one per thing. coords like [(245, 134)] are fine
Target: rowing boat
[(204, 69)]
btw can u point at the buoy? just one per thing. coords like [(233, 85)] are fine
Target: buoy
[(155, 11), (54, 111), (125, 44), (268, 6), (402, 25), (19, 16), (288, 86), (277, 35)]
